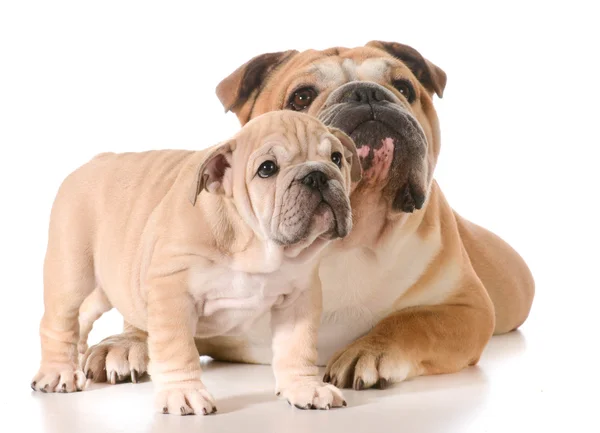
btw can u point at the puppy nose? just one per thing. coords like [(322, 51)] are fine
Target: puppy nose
[(366, 93), (315, 180)]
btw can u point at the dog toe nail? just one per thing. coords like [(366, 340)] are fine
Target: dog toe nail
[(344, 404), (134, 376), (382, 383), (33, 385), (359, 384), (165, 409)]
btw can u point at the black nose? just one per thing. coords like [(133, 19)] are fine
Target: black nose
[(366, 93), (315, 180)]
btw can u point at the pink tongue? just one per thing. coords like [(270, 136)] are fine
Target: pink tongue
[(381, 162)]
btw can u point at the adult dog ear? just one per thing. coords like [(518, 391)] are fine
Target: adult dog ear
[(430, 76), (350, 153), (237, 88), (214, 173)]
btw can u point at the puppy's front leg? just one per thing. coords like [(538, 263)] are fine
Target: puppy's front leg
[(295, 329), (174, 360)]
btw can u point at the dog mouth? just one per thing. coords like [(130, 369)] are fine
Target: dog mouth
[(309, 213), (376, 129), (322, 229), (322, 222), (365, 121)]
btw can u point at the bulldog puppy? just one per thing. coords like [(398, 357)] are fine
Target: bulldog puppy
[(197, 245), (415, 289)]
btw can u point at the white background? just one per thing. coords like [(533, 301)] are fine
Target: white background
[(519, 156)]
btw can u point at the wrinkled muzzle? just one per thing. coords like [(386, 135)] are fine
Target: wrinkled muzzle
[(389, 140), (313, 204)]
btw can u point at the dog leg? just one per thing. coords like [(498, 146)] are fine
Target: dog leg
[(118, 358), (175, 364), (94, 306), (295, 354), (417, 341), (68, 280)]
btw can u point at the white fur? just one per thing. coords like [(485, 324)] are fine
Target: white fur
[(230, 301), (324, 147), (354, 299), (331, 73)]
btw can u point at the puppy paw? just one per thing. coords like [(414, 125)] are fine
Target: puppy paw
[(58, 379), (368, 362), (191, 399), (117, 359), (313, 395)]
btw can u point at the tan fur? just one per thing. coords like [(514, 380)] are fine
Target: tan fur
[(491, 288), (404, 294), (94, 306), (125, 232)]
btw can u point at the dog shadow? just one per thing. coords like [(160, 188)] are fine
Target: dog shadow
[(439, 403)]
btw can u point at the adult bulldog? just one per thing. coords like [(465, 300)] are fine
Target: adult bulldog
[(415, 289)]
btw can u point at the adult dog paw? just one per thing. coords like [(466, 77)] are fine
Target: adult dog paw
[(369, 362)]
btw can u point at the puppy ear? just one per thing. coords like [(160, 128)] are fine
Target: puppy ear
[(431, 76), (214, 172), (351, 155), (237, 88)]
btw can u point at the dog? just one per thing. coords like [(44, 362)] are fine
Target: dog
[(415, 289), (201, 244)]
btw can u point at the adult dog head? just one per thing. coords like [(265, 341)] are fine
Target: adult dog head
[(379, 94), (289, 176)]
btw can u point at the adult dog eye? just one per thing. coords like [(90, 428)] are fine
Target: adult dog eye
[(302, 98), (267, 169), (336, 157), (406, 89)]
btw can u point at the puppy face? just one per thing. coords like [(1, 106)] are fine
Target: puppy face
[(380, 95), (289, 177)]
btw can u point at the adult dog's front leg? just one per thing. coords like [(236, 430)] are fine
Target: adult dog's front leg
[(295, 329), (417, 341), (174, 361)]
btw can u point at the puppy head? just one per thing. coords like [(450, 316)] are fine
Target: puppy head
[(288, 175), (380, 95)]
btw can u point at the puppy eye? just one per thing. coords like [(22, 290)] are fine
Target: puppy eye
[(406, 88), (302, 98), (336, 157), (267, 169)]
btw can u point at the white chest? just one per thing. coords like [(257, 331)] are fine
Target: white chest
[(229, 302), (360, 288)]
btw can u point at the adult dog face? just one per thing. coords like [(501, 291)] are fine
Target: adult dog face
[(380, 94)]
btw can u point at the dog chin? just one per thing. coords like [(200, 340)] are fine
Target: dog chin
[(322, 228)]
